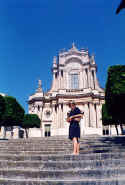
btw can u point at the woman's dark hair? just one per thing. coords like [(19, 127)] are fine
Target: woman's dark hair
[(71, 103)]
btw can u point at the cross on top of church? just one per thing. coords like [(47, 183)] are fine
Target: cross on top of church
[(73, 47)]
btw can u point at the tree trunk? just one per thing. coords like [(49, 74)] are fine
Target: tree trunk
[(26, 130), (116, 129), (4, 133), (122, 130)]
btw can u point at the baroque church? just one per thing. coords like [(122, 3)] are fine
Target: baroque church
[(74, 78)]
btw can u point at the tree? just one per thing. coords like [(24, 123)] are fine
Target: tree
[(30, 121), (14, 113), (115, 93), (121, 6), (107, 118)]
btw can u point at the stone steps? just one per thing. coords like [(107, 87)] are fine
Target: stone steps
[(44, 149), (57, 165), (62, 157), (70, 174), (48, 161), (106, 181), (57, 139), (58, 145), (63, 152)]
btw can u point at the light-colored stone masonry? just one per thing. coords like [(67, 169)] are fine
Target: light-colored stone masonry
[(74, 78)]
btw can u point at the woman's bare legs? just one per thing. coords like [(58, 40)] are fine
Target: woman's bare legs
[(75, 146), (78, 147)]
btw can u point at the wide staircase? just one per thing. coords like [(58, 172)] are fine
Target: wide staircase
[(49, 161)]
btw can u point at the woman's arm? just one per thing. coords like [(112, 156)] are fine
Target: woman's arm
[(68, 119), (76, 116)]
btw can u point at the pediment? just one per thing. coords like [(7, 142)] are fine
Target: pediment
[(73, 62)]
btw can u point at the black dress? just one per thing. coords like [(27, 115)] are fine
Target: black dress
[(74, 128)]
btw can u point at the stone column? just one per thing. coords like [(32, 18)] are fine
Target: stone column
[(60, 121), (39, 111), (89, 78), (59, 116), (35, 110), (2, 134), (88, 107), (59, 79), (56, 82), (96, 80), (64, 80), (95, 107), (54, 116), (56, 85), (92, 116), (68, 81), (84, 79), (41, 124), (86, 115), (80, 80), (53, 83), (66, 111), (62, 116), (57, 113)]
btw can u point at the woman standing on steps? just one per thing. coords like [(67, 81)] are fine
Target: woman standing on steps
[(74, 117)]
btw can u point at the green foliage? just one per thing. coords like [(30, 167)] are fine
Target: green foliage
[(115, 92), (14, 113), (30, 121), (116, 79), (2, 107), (106, 118)]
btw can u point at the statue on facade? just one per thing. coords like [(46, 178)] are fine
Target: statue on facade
[(39, 89)]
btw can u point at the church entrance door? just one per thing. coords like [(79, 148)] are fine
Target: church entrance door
[(47, 130)]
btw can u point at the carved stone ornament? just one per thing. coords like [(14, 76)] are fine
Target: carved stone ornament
[(48, 113)]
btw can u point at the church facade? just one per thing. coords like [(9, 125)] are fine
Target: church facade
[(74, 78)]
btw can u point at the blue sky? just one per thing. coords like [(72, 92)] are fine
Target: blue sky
[(33, 31)]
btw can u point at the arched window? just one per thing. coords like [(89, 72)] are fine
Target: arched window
[(74, 81)]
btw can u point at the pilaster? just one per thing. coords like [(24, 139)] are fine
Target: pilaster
[(96, 80), (65, 81), (89, 78), (84, 79), (62, 116), (92, 116), (53, 116), (99, 115), (80, 80), (86, 114), (59, 78), (59, 115)]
